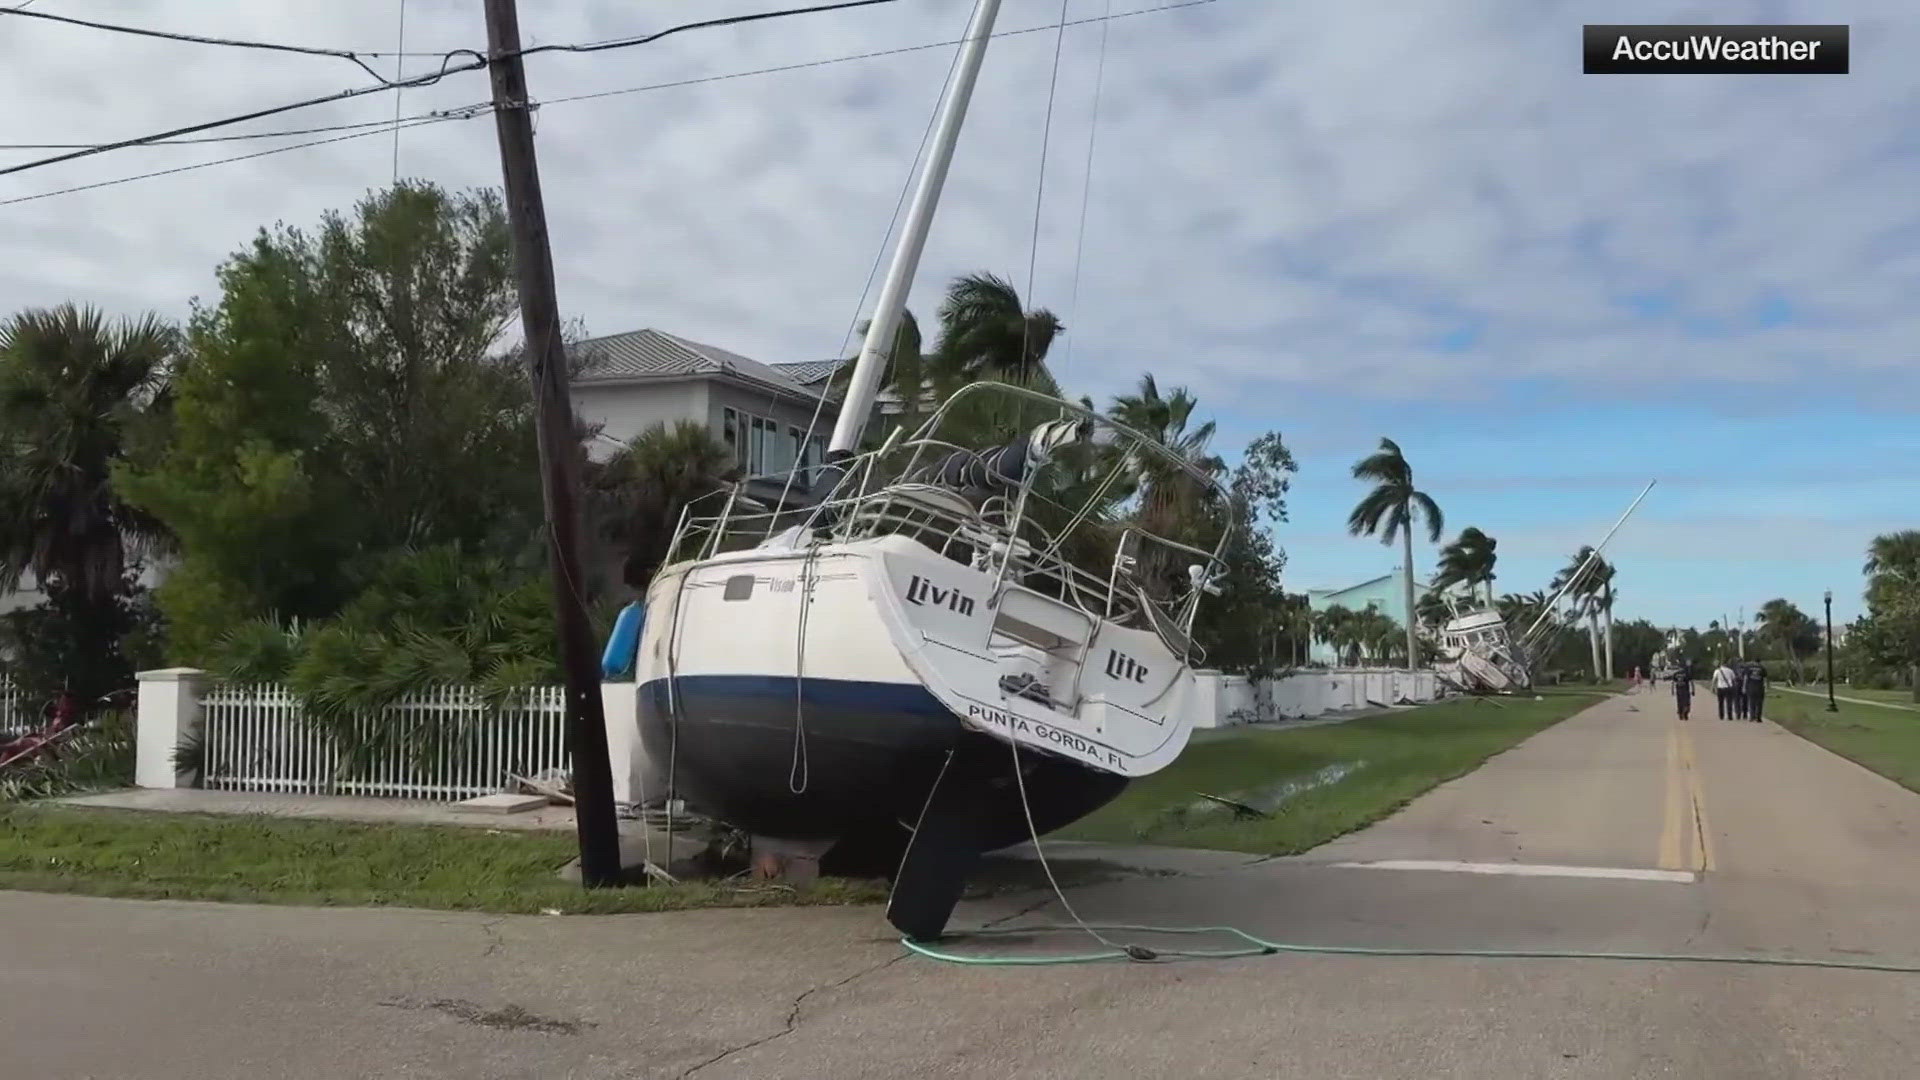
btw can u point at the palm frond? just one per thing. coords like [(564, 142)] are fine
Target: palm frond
[(1430, 511)]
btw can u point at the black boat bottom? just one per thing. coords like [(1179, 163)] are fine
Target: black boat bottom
[(858, 762)]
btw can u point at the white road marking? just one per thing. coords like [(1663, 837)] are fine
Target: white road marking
[(1526, 870)]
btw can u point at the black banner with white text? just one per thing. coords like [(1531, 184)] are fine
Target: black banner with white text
[(1760, 50)]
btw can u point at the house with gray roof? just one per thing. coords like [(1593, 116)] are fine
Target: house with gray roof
[(775, 417)]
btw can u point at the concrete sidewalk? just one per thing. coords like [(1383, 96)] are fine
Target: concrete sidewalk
[(328, 807)]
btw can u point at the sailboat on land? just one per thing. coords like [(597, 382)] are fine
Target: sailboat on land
[(955, 648), (1480, 655)]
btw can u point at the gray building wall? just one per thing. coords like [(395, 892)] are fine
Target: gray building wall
[(625, 409)]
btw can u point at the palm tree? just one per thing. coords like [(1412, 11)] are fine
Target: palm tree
[(1782, 622), (1171, 502), (1389, 510), (75, 394), (1468, 561), (639, 493), (1521, 610), (1603, 597), (1582, 598), (986, 333), (1895, 555), (1336, 626), (72, 391), (1432, 610), (1294, 621), (1378, 633)]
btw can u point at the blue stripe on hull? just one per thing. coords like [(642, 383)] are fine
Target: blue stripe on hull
[(852, 694)]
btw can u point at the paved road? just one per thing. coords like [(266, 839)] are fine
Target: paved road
[(1747, 840)]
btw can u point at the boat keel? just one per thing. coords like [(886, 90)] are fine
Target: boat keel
[(947, 843)]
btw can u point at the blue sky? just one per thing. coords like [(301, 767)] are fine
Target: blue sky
[(1745, 508), (1342, 220)]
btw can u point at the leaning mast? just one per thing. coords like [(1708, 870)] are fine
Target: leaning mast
[(877, 347)]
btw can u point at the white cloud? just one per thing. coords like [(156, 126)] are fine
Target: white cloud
[(1285, 195)]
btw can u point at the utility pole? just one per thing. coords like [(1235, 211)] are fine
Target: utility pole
[(598, 831)]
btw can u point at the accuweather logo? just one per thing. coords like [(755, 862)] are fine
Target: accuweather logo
[(1759, 50)]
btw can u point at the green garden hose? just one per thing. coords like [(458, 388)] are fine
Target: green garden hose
[(1260, 947)]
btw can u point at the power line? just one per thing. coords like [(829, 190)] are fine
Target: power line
[(375, 127), (457, 114), (477, 62), (705, 24), (695, 81), (196, 39), (248, 136), (849, 58)]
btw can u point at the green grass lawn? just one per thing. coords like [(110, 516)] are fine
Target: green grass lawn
[(1398, 756), (277, 860), (1884, 740), (1896, 697)]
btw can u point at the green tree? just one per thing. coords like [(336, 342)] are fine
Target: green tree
[(428, 617), (1469, 560), (1169, 496), (1784, 628), (1893, 601), (638, 494), (1242, 628), (1638, 640), (76, 394), (1390, 510), (348, 396)]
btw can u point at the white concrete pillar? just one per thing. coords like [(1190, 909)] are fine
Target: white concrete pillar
[(1206, 699), (167, 714)]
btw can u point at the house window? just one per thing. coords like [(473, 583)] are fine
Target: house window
[(733, 432), (760, 446), (808, 453)]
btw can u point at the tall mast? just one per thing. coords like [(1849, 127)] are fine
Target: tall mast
[(878, 345), (1581, 571)]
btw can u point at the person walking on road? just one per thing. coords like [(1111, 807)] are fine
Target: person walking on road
[(1723, 681), (1683, 689), (1753, 687)]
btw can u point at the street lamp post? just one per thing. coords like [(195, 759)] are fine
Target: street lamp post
[(1832, 706)]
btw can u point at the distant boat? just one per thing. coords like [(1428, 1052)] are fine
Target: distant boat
[(1479, 655)]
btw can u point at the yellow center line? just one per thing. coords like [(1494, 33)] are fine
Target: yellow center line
[(1678, 809), (1697, 805)]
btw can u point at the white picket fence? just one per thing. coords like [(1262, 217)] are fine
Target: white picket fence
[(13, 704), (445, 744)]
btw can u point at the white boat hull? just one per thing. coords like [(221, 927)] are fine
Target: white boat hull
[(829, 708)]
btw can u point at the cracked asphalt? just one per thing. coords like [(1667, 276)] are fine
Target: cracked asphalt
[(1794, 852)]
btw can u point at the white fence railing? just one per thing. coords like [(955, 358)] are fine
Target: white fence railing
[(13, 704), (444, 744)]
